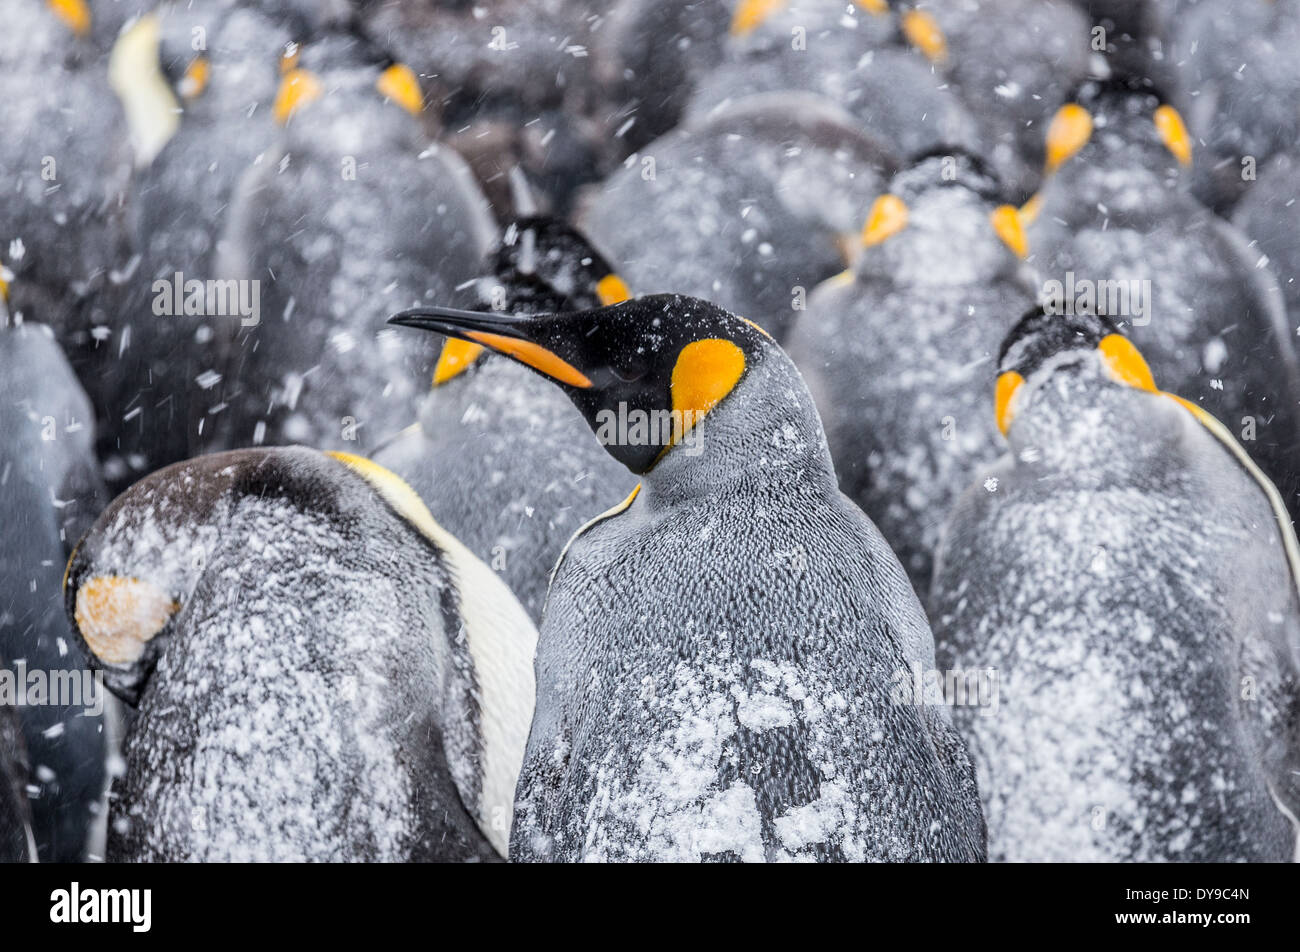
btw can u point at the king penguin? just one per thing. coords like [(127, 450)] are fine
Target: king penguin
[(199, 119), (502, 458), (50, 492), (1043, 52), (897, 351), (514, 83), (749, 207), (319, 671), (1131, 577), (1269, 216), (856, 56), (1239, 79), (64, 161), (1115, 230), (715, 655), (353, 214)]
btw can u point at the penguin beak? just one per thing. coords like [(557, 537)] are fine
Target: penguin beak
[(506, 334)]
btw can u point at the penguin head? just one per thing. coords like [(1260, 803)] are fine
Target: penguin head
[(542, 265), (766, 25), (1118, 123), (128, 577), (644, 372), (344, 74), (547, 262), (944, 220), (1043, 347)]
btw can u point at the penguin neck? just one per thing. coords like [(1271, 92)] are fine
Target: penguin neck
[(764, 437), (1092, 430)]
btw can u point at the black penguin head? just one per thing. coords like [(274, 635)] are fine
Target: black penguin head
[(935, 190), (1042, 343), (542, 266), (546, 262), (643, 372), (1118, 114)]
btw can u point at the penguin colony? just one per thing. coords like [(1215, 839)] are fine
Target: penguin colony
[(715, 430)]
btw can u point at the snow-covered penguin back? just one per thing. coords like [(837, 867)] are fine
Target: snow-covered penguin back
[(313, 693)]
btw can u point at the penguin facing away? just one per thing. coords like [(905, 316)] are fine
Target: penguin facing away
[(897, 350), (199, 120), (1114, 230), (857, 56), (352, 214), (1131, 575), (319, 671), (50, 492), (750, 206), (502, 458), (716, 654), (64, 161)]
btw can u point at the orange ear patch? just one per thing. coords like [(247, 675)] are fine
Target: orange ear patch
[(75, 14), (1069, 131), (1125, 362), (1008, 384), (297, 88), (535, 356), (888, 216), (611, 290), (705, 372), (1006, 222), (400, 84), (1174, 134), (922, 31), (750, 14)]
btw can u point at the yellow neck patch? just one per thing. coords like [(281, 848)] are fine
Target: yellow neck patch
[(457, 357), (395, 491), (1006, 222), (750, 14), (874, 7), (611, 290), (535, 356), (297, 88), (400, 84), (75, 14), (1008, 384), (887, 217), (1174, 134), (1069, 131), (922, 31), (118, 615), (705, 372)]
